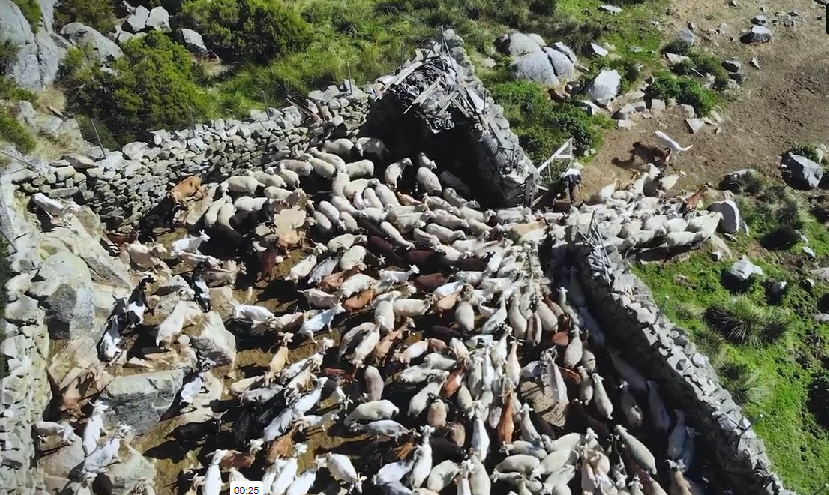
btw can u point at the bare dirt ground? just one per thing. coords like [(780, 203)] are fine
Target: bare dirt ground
[(784, 102)]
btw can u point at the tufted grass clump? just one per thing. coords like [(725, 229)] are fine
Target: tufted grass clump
[(746, 385), (684, 90), (810, 151), (742, 321)]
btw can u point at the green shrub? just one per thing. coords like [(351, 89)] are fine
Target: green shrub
[(9, 90), (742, 321), (8, 55), (99, 14), (708, 64), (14, 132), (685, 90), (152, 86), (247, 30), (680, 47), (31, 11)]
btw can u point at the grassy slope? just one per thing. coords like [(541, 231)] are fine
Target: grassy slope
[(783, 370)]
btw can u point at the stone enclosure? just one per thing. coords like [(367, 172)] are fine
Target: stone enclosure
[(65, 280)]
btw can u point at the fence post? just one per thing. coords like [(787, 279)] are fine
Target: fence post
[(98, 137)]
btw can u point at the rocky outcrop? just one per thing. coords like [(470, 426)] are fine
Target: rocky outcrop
[(636, 325), (55, 291), (79, 34), (39, 50)]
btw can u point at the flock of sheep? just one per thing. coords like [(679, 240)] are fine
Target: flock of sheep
[(431, 319)]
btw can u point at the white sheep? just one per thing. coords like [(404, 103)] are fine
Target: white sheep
[(267, 179), (249, 204), (395, 171), (300, 167), (341, 147), (184, 313), (360, 168), (290, 177), (55, 209), (145, 256), (244, 184)]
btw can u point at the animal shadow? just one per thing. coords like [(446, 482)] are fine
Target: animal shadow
[(641, 154)]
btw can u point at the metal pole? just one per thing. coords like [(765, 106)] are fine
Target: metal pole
[(190, 113), (350, 81), (98, 137), (264, 99)]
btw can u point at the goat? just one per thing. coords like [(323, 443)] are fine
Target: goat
[(191, 186), (55, 209)]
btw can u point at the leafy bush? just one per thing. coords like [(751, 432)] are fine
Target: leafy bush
[(99, 14), (14, 132), (152, 86), (742, 321), (685, 90), (541, 124), (247, 30), (31, 11)]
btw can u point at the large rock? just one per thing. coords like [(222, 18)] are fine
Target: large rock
[(102, 267), (518, 44), (214, 340), (140, 400), (564, 67), (802, 171), (744, 270), (122, 478), (80, 34), (535, 67), (730, 221), (193, 41), (64, 460), (138, 20), (159, 19), (605, 86), (63, 283), (758, 34), (39, 54)]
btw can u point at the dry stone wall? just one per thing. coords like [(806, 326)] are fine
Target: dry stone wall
[(634, 323), (125, 184)]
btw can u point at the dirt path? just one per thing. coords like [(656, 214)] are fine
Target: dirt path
[(785, 102)]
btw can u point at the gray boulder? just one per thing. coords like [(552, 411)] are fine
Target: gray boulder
[(802, 171), (758, 34), (193, 41), (138, 20), (535, 67), (564, 67), (64, 283), (122, 478), (558, 45), (730, 221), (139, 400), (518, 44), (687, 36), (598, 50), (605, 86), (744, 270), (214, 340), (79, 34), (39, 54), (159, 19)]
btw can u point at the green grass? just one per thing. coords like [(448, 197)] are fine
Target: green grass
[(770, 377), (14, 132)]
